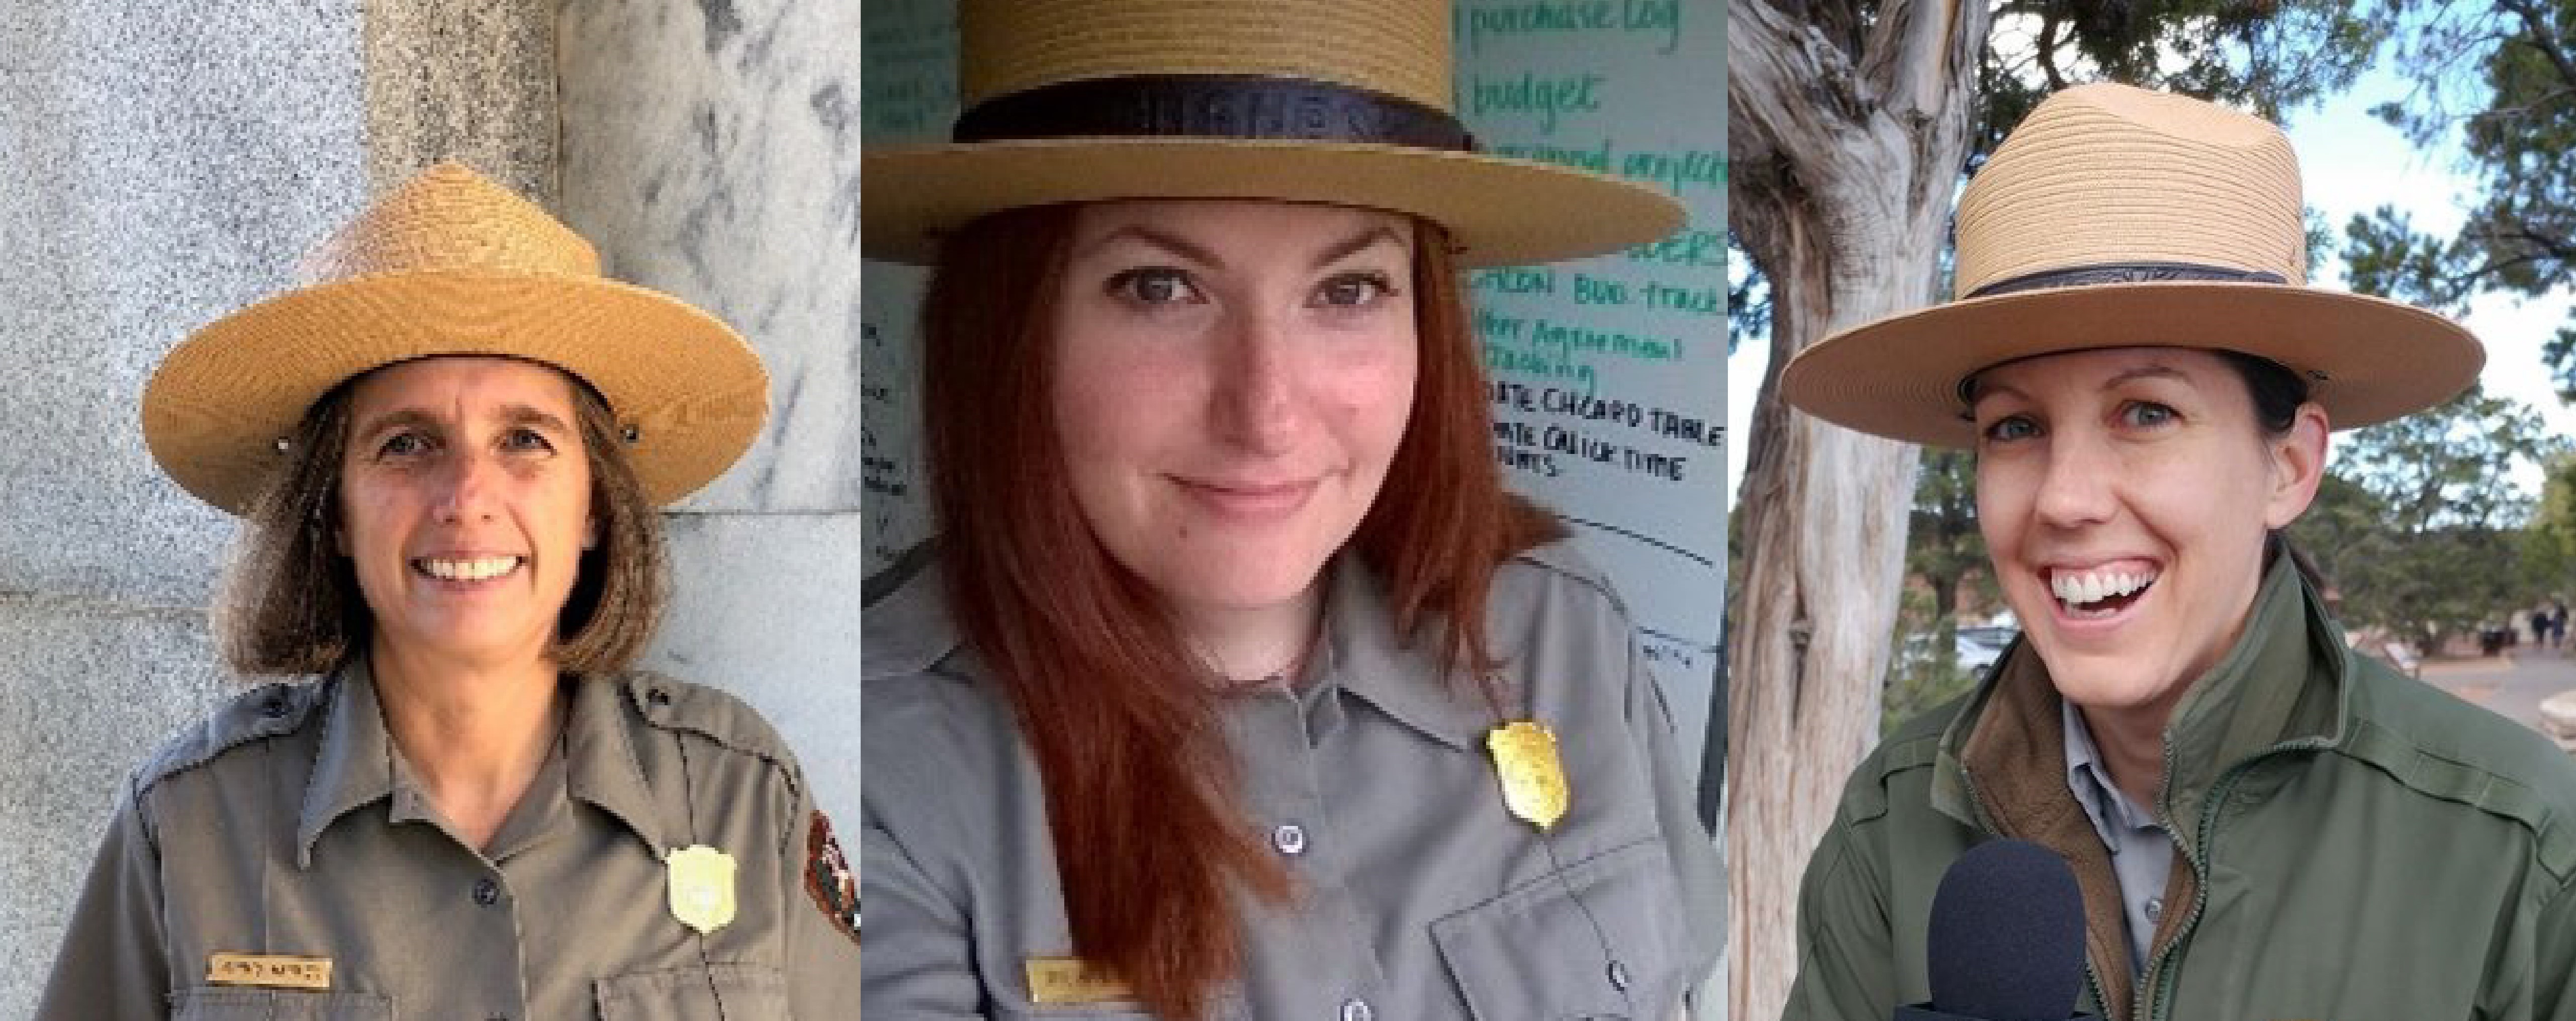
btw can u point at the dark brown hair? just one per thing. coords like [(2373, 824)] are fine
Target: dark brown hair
[(1151, 849), (290, 602)]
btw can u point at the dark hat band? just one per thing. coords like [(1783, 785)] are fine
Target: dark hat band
[(1211, 106), (2124, 273)]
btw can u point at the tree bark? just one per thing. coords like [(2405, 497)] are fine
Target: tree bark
[(1843, 167)]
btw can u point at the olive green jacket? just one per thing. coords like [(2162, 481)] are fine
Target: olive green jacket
[(2349, 844)]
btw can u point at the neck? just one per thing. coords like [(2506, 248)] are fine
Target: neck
[(1259, 643), (475, 734), (2132, 745)]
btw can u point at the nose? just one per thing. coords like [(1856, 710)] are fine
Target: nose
[(2078, 486), (466, 487), (1257, 397)]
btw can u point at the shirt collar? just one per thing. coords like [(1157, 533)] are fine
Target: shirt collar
[(357, 763), (1365, 657), (2110, 808)]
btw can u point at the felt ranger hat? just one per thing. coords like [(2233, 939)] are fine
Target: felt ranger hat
[(453, 264), (1344, 102), (2117, 217)]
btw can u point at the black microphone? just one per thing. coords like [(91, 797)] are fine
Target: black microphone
[(2006, 941)]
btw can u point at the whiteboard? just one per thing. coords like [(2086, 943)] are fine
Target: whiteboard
[(1609, 374)]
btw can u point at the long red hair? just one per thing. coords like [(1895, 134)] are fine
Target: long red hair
[(1150, 846)]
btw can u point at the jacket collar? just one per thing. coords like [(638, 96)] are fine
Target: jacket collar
[(2240, 708), (357, 764), (2001, 763)]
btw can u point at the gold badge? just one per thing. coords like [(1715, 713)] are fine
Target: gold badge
[(1066, 980), (701, 887), (269, 971), (1533, 778)]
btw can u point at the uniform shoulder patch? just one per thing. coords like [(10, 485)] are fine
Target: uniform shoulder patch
[(829, 879)]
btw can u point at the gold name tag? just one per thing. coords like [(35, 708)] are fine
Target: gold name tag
[(272, 971), (1060, 980)]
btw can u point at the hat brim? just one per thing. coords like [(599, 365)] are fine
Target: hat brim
[(691, 392), (2367, 360), (1499, 211)]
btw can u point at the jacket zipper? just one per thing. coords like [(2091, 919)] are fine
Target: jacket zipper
[(2155, 1007)]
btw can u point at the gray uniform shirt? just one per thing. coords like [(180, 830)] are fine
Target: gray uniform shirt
[(2142, 851), (1419, 895), (289, 826)]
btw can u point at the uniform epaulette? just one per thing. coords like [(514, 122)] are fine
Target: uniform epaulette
[(672, 704), (1562, 558), (267, 711)]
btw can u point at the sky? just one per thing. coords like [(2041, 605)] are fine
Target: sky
[(2352, 163)]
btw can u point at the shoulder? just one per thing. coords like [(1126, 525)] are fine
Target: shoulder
[(1560, 568), (1553, 586), (1898, 772), (667, 704), (903, 617), (271, 710), (2440, 747)]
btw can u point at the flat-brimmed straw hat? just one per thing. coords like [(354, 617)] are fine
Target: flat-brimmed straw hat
[(453, 264), (2117, 217), (1344, 102)]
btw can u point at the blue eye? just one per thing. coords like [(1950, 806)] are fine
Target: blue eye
[(2146, 414), (403, 444), (2010, 428), (526, 439), (1354, 290), (1154, 285)]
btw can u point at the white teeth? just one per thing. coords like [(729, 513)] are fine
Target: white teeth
[(2087, 587), (474, 569)]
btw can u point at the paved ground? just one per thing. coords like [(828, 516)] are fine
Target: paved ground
[(2512, 684)]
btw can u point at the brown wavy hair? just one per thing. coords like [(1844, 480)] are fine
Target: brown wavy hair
[(1151, 848), (290, 603)]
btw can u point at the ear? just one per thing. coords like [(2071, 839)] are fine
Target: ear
[(2298, 465)]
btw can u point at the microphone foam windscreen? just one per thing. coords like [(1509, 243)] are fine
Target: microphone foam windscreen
[(2007, 935)]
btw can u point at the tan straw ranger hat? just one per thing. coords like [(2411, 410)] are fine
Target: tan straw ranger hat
[(453, 264), (1344, 102), (2118, 217)]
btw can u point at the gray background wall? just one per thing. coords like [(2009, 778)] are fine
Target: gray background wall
[(165, 162)]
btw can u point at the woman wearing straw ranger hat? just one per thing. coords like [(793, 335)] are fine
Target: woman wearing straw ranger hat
[(2263, 823), (1235, 685), (448, 449)]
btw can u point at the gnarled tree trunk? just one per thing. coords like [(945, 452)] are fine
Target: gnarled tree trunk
[(1847, 130)]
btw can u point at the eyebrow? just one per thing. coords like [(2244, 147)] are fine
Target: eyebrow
[(1159, 239), (1335, 252), (511, 414), (1980, 388)]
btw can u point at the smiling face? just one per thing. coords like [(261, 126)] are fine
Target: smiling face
[(1231, 380), (2124, 496), (465, 502)]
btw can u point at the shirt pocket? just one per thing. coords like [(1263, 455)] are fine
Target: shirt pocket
[(739, 992), (212, 1003), (1533, 952)]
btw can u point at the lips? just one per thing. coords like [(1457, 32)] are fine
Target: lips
[(1248, 498)]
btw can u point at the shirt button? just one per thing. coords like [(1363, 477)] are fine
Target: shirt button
[(1356, 1009), (2155, 909), (486, 892), (1290, 839), (1618, 976)]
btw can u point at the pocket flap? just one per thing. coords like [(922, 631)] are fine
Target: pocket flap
[(1533, 952)]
